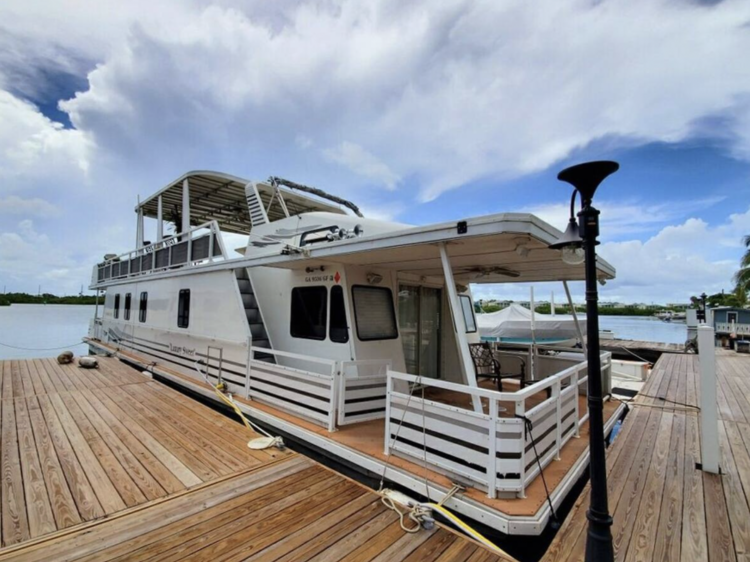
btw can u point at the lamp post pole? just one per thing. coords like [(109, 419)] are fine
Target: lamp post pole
[(599, 540), (578, 244)]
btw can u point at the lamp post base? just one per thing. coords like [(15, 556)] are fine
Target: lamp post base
[(599, 538)]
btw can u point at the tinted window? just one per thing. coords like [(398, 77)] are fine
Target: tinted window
[(309, 312), (374, 313), (468, 308), (117, 305), (183, 309), (127, 306), (338, 331), (142, 307)]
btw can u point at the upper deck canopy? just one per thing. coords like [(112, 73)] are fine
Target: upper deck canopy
[(221, 197)]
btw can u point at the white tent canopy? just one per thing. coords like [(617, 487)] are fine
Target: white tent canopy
[(514, 324)]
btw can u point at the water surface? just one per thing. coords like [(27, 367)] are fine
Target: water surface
[(42, 327)]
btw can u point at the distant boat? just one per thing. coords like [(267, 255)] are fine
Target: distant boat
[(514, 325)]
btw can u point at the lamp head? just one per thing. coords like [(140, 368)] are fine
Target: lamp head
[(571, 245), (586, 177)]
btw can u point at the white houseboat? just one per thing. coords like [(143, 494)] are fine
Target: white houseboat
[(357, 338)]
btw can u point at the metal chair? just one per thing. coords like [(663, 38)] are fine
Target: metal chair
[(487, 366)]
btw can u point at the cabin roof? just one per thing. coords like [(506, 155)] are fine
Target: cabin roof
[(221, 197), (502, 248)]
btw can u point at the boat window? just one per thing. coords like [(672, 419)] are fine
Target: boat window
[(731, 317), (338, 331), (309, 306), (468, 308), (374, 313), (183, 309), (126, 314), (117, 305), (142, 307), (317, 235)]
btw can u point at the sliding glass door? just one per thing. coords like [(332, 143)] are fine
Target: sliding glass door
[(419, 324)]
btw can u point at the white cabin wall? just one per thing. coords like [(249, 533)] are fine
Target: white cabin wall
[(216, 319), (273, 288)]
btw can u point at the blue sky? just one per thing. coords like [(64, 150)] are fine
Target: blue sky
[(418, 112)]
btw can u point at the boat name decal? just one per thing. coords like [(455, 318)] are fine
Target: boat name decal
[(182, 350)]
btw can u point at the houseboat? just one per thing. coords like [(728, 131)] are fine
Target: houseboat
[(357, 338)]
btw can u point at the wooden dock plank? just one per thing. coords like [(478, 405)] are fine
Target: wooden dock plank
[(14, 520), (682, 512), (63, 505), (78, 444)]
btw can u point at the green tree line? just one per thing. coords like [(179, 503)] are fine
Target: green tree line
[(7, 299)]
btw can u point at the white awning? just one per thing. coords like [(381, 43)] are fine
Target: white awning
[(221, 197)]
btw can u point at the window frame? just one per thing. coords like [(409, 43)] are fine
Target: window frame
[(116, 307), (182, 314), (143, 306), (393, 312), (325, 311), (340, 290), (471, 311), (126, 306)]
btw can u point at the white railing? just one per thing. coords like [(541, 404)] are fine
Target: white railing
[(362, 390), (300, 391), (180, 250), (501, 448), (733, 328), (95, 328)]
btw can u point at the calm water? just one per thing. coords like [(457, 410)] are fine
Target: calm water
[(644, 328), (43, 326), (55, 326)]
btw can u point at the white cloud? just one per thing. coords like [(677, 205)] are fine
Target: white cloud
[(33, 148), (354, 97), (629, 217), (358, 160), (15, 205)]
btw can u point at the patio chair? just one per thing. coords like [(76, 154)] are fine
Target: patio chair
[(487, 366)]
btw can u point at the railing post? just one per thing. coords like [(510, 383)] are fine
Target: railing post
[(708, 414), (387, 424), (492, 451), (520, 409), (248, 374), (333, 398), (556, 390), (576, 411)]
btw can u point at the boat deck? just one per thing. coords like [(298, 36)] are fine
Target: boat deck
[(663, 507), (635, 350), (109, 465)]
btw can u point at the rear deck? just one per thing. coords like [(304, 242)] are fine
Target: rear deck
[(109, 465), (663, 507)]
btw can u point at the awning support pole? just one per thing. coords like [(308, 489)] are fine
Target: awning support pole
[(159, 220), (575, 316), (459, 326), (139, 227), (533, 333), (185, 206)]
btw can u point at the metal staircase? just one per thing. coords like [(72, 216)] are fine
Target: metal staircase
[(253, 315)]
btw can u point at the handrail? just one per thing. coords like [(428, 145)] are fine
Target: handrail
[(290, 355)]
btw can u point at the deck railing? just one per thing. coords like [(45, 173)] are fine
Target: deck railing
[(733, 328), (180, 250), (299, 391), (362, 390), (501, 449)]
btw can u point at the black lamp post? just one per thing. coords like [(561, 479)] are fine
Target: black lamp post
[(703, 318), (578, 245)]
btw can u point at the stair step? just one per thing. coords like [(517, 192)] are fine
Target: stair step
[(258, 331), (253, 316), (245, 286), (249, 301)]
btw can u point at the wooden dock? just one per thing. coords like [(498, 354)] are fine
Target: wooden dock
[(635, 350), (663, 507), (109, 465)]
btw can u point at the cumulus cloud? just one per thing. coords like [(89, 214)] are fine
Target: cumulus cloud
[(14, 205), (363, 163), (418, 98)]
